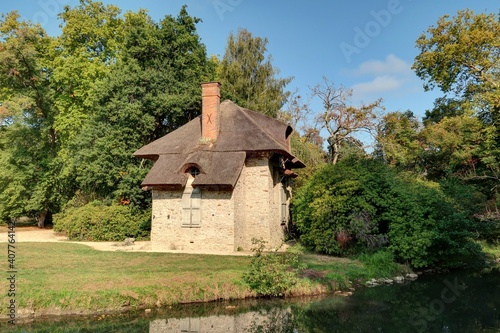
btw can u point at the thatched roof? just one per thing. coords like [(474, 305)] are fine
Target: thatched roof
[(242, 132)]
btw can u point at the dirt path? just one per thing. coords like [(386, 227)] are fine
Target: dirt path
[(34, 234)]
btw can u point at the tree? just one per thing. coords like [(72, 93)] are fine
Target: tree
[(153, 89), (398, 142), (29, 143), (461, 56), (248, 77), (342, 120), (89, 45)]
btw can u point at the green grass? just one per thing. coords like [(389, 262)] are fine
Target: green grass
[(63, 277), (66, 278), (342, 273)]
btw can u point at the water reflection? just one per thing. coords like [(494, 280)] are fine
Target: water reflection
[(448, 303), (274, 320)]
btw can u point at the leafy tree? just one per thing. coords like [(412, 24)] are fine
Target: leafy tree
[(342, 120), (452, 146), (248, 77), (89, 45), (398, 140), (29, 143), (461, 56), (152, 90)]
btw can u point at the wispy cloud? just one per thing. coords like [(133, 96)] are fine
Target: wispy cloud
[(390, 65), (378, 85), (380, 78)]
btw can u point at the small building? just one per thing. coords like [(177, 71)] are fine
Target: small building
[(220, 180)]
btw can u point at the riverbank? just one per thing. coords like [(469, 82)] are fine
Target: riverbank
[(56, 277), (62, 278)]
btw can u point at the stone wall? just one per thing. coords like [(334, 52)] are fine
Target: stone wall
[(229, 219), (216, 231)]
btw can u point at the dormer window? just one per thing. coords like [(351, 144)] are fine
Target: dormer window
[(194, 171)]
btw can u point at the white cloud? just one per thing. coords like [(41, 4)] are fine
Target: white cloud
[(391, 65), (378, 84)]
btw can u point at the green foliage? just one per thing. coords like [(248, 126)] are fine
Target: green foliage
[(397, 140), (460, 56), (489, 227), (381, 264), (271, 273), (96, 221), (248, 77), (29, 181), (152, 91), (360, 204), (309, 153), (73, 108)]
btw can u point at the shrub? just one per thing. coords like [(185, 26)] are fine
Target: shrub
[(96, 221), (271, 273), (340, 209), (361, 205)]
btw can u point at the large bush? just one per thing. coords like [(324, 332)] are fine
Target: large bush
[(360, 205), (96, 221)]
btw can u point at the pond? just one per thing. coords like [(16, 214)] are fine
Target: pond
[(455, 302)]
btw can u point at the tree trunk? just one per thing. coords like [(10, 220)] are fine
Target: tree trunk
[(41, 218)]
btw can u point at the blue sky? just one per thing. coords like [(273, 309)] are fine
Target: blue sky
[(365, 45)]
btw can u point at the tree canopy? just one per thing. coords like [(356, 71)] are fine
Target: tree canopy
[(73, 108), (248, 76)]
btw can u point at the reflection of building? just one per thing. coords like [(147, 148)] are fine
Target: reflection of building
[(216, 324), (220, 180)]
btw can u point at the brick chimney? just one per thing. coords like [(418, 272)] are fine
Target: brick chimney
[(210, 114)]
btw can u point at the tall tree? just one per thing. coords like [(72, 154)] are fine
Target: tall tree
[(461, 56), (153, 89), (89, 45), (28, 141), (248, 76), (398, 141), (342, 120)]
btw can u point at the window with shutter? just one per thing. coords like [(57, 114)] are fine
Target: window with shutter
[(191, 205), (284, 205)]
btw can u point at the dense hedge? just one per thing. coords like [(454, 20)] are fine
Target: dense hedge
[(361, 205), (96, 221)]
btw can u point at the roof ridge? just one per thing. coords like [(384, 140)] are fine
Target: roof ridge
[(246, 112)]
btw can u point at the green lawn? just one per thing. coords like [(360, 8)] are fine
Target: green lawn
[(59, 277)]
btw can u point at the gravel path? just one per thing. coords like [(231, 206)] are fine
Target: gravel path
[(33, 234)]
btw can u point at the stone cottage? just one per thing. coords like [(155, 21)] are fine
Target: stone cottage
[(220, 180)]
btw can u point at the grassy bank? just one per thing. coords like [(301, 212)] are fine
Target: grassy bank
[(63, 278)]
